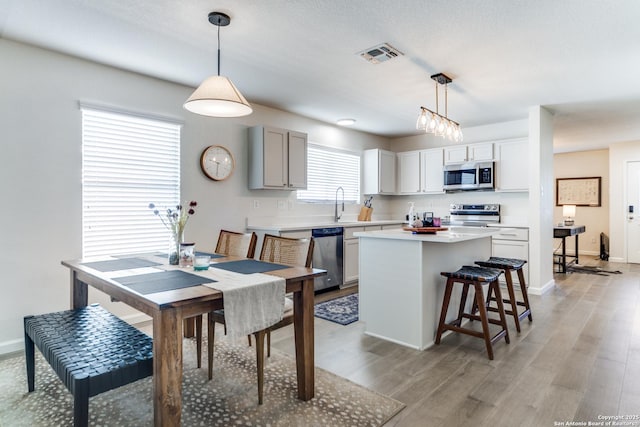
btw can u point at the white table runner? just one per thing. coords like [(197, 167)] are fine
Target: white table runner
[(251, 301)]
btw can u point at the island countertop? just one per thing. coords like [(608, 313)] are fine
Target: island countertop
[(453, 235)]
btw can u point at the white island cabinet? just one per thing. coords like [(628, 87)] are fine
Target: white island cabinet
[(400, 285)]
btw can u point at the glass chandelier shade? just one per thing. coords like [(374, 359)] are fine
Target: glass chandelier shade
[(432, 122)]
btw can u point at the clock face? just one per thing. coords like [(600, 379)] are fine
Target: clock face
[(217, 162)]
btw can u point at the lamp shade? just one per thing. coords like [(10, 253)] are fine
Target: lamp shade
[(217, 96), (569, 211)]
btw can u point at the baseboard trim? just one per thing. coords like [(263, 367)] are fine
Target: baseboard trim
[(11, 346), (544, 289)]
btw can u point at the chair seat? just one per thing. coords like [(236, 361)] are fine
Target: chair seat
[(477, 274), (503, 263)]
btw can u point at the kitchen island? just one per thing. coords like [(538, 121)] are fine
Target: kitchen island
[(400, 286)]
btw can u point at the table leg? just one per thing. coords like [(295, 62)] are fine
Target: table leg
[(577, 262), (304, 337), (188, 326), (79, 292), (564, 254), (167, 368)]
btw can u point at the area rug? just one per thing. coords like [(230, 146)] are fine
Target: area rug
[(343, 310), (591, 270), (231, 398)]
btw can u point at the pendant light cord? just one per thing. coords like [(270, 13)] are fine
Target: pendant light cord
[(218, 47)]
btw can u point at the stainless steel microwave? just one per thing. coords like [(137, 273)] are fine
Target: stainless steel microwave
[(469, 176)]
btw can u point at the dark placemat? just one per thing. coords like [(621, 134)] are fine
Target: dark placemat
[(249, 266), (160, 282), (120, 264)]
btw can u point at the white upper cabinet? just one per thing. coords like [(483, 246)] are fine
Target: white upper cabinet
[(379, 172), (512, 165), (468, 153), (409, 172), (277, 159), (455, 154), (431, 174), (420, 172)]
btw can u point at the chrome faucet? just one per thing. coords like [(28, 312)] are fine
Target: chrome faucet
[(336, 217)]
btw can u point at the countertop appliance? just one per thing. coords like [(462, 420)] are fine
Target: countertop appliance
[(469, 176), (476, 215), (327, 254)]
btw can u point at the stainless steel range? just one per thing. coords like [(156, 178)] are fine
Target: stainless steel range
[(477, 215)]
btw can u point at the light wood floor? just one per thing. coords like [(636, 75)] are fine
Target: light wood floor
[(579, 360)]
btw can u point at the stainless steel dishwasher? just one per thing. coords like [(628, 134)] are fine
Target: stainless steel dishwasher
[(327, 254)]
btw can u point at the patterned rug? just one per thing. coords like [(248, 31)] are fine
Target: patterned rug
[(343, 310), (591, 270), (231, 398)]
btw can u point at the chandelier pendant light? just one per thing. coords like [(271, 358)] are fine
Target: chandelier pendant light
[(217, 96), (435, 123)]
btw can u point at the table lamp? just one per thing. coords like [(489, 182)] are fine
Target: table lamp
[(568, 212)]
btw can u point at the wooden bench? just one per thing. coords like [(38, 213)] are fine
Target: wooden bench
[(90, 349)]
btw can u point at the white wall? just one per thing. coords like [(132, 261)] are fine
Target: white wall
[(540, 200), (619, 155), (40, 170), (595, 218)]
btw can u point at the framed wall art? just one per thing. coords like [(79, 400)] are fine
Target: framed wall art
[(578, 191)]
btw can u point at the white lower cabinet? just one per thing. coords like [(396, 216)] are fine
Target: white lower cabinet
[(512, 243), (351, 264), (351, 250)]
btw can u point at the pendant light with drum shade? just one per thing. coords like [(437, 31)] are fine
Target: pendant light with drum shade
[(217, 96)]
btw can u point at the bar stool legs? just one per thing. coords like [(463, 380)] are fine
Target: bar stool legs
[(476, 277), (507, 265)]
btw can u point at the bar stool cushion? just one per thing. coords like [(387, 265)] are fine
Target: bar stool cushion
[(503, 263), (472, 272)]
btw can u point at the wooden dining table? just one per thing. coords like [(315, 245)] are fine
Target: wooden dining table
[(169, 308)]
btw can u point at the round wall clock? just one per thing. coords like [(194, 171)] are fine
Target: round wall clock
[(217, 162)]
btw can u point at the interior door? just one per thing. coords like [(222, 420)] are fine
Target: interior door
[(633, 204)]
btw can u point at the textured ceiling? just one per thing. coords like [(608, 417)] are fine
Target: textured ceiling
[(579, 58)]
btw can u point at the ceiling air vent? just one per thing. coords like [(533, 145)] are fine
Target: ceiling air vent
[(380, 53)]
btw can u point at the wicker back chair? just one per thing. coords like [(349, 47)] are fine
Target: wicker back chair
[(287, 251), (236, 244), (279, 250)]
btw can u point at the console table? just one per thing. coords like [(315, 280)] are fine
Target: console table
[(562, 232)]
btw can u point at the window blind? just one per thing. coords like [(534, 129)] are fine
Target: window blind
[(328, 169), (128, 161)]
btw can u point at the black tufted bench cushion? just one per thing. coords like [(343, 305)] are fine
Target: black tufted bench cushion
[(90, 349), (476, 274)]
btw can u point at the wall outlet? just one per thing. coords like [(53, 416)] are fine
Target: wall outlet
[(256, 204), (593, 240), (281, 205)]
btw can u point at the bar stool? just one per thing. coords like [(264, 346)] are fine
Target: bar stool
[(478, 277), (507, 265)]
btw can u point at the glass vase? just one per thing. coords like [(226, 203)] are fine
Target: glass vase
[(174, 248)]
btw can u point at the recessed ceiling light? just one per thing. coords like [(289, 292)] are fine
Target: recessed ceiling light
[(346, 122)]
